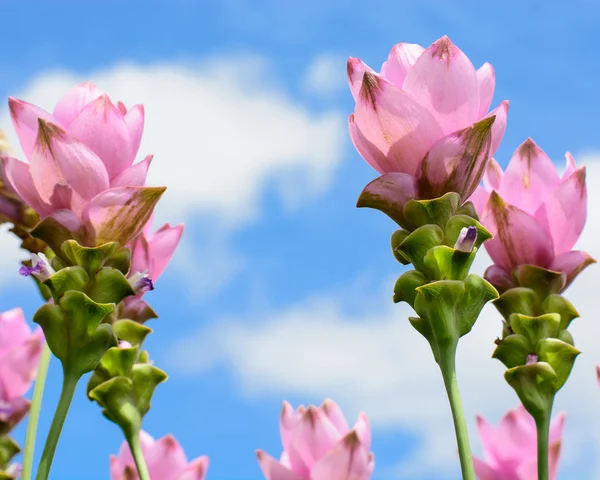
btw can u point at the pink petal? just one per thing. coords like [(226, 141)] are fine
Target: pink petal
[(363, 430), (134, 119), (486, 80), (369, 152), (349, 460), (19, 366), (335, 415), (25, 120), (288, 422), (499, 278), (314, 436), (196, 469), (493, 174), (119, 214), (14, 329), (480, 198), (486, 472), (162, 246), (518, 237), (116, 468), (516, 437), (165, 458), (530, 178), (499, 127), (571, 264), (487, 434), (356, 68), (443, 80), (19, 176), (457, 162), (570, 166), (395, 124), (401, 59), (273, 470), (74, 101), (101, 127), (556, 428), (134, 176)]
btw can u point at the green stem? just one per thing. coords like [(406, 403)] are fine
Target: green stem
[(66, 396), (132, 435), (543, 433), (34, 412), (448, 368)]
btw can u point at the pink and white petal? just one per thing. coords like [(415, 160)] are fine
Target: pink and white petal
[(335, 415), (527, 470), (487, 434), (273, 470), (74, 101), (162, 247), (369, 152), (518, 237), (18, 175), (25, 118), (117, 468), (396, 124), (571, 264), (195, 470), (363, 430), (483, 471), (14, 329), (486, 80), (19, 366), (570, 167), (443, 80), (356, 68), (493, 175), (516, 437), (314, 436), (165, 458), (348, 460), (134, 176), (119, 214), (556, 428), (530, 177), (479, 198), (101, 127), (288, 423), (401, 59), (134, 119), (140, 255), (499, 126)]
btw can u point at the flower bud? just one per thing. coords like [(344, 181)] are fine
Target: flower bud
[(466, 239), (40, 268), (141, 282)]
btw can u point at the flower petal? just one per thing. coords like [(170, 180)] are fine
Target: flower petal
[(273, 470), (571, 264), (363, 430), (19, 176), (165, 458), (195, 470), (457, 162), (395, 124), (14, 329), (19, 366), (499, 127), (162, 246), (101, 127), (356, 68), (335, 415), (349, 459), (74, 101), (444, 81), (483, 471), (134, 176), (314, 436), (570, 167), (288, 423), (134, 119), (401, 59), (499, 278), (480, 198), (369, 152), (486, 80), (25, 120), (529, 178), (493, 174)]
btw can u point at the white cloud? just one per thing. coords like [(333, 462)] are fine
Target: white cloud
[(221, 131), (378, 363), (325, 76)]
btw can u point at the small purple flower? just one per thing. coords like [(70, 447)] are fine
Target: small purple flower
[(141, 282), (124, 344), (532, 358), (40, 268), (466, 240)]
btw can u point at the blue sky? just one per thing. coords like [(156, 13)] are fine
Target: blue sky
[(293, 245)]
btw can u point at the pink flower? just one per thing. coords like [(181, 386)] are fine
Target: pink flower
[(535, 215), (20, 351), (424, 118), (510, 450), (80, 169), (318, 445), (165, 458)]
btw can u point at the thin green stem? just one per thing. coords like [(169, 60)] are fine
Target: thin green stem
[(70, 381), (448, 368), (543, 433), (34, 412), (132, 436)]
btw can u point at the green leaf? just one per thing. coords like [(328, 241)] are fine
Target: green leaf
[(436, 211), (512, 350), (415, 246), (535, 328), (559, 304), (69, 278), (561, 357), (566, 337), (446, 263), (405, 288), (478, 292), (455, 225), (397, 238), (544, 282), (534, 386), (468, 209), (518, 300), (8, 450), (90, 258), (120, 259), (110, 286), (131, 331), (145, 379), (54, 234), (50, 317)]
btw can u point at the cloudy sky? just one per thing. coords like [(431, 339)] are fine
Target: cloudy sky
[(282, 288)]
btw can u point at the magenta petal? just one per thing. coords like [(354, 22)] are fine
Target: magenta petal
[(19, 176), (25, 117), (400, 60), (529, 178), (444, 81), (571, 264), (273, 470), (486, 80), (314, 436), (456, 163), (195, 470), (74, 101), (499, 127), (356, 68), (165, 458), (101, 127), (349, 459), (518, 237), (399, 127), (134, 176), (134, 119)]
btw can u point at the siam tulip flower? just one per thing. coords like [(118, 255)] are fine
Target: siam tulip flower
[(318, 445), (165, 458), (20, 351), (81, 170), (535, 215), (510, 450), (423, 121)]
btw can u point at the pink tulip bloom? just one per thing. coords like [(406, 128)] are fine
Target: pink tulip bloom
[(424, 118), (165, 459), (318, 445), (80, 168), (20, 351), (510, 450), (535, 215)]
